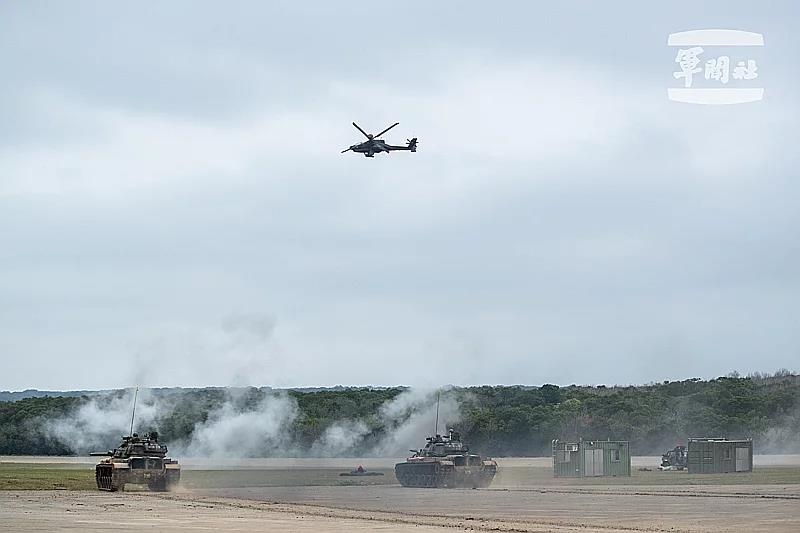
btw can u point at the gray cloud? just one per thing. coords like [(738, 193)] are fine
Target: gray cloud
[(171, 196)]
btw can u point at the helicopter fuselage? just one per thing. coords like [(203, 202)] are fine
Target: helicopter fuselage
[(373, 145), (376, 146)]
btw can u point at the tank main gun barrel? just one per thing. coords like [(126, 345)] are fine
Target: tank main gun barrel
[(101, 454)]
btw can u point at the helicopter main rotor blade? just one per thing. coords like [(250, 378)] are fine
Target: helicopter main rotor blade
[(387, 129), (362, 131), (343, 151)]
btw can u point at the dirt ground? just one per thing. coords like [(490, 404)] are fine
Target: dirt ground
[(396, 509), (310, 496), (57, 511), (615, 508)]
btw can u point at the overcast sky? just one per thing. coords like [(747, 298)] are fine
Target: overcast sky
[(174, 209)]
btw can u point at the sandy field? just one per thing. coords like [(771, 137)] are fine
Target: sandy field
[(45, 511), (309, 495), (395, 509)]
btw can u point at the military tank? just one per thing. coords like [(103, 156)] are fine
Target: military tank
[(137, 460), (445, 462)]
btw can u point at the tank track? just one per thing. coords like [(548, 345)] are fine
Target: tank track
[(109, 480), (417, 475), (164, 483), (104, 476), (433, 475)]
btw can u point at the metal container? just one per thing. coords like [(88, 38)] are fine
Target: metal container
[(720, 456), (591, 458)]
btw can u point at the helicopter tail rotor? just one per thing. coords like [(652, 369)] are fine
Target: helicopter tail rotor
[(412, 144)]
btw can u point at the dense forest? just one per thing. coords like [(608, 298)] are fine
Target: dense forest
[(496, 420)]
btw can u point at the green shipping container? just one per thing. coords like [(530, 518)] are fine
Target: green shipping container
[(720, 456), (591, 458)]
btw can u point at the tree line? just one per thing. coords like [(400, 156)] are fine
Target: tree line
[(494, 420)]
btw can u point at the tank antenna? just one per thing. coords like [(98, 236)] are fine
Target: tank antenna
[(135, 395), (436, 431)]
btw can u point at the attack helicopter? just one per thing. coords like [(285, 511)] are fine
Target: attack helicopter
[(373, 145)]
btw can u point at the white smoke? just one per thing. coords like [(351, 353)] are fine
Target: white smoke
[(232, 431), (411, 416), (99, 423), (405, 421), (341, 438), (241, 427)]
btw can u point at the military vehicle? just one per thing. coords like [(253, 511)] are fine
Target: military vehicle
[(675, 459), (360, 471), (373, 145), (138, 460), (445, 462)]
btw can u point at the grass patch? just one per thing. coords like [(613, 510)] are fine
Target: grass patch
[(19, 476), (16, 476)]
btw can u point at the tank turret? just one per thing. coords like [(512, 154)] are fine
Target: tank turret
[(445, 461), (137, 460)]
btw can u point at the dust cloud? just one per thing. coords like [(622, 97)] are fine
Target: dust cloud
[(99, 423), (230, 431), (237, 427)]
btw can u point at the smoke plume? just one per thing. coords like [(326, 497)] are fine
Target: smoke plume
[(253, 422), (100, 422), (411, 416), (233, 431)]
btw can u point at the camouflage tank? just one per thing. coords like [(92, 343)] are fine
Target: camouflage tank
[(445, 462), (138, 460)]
